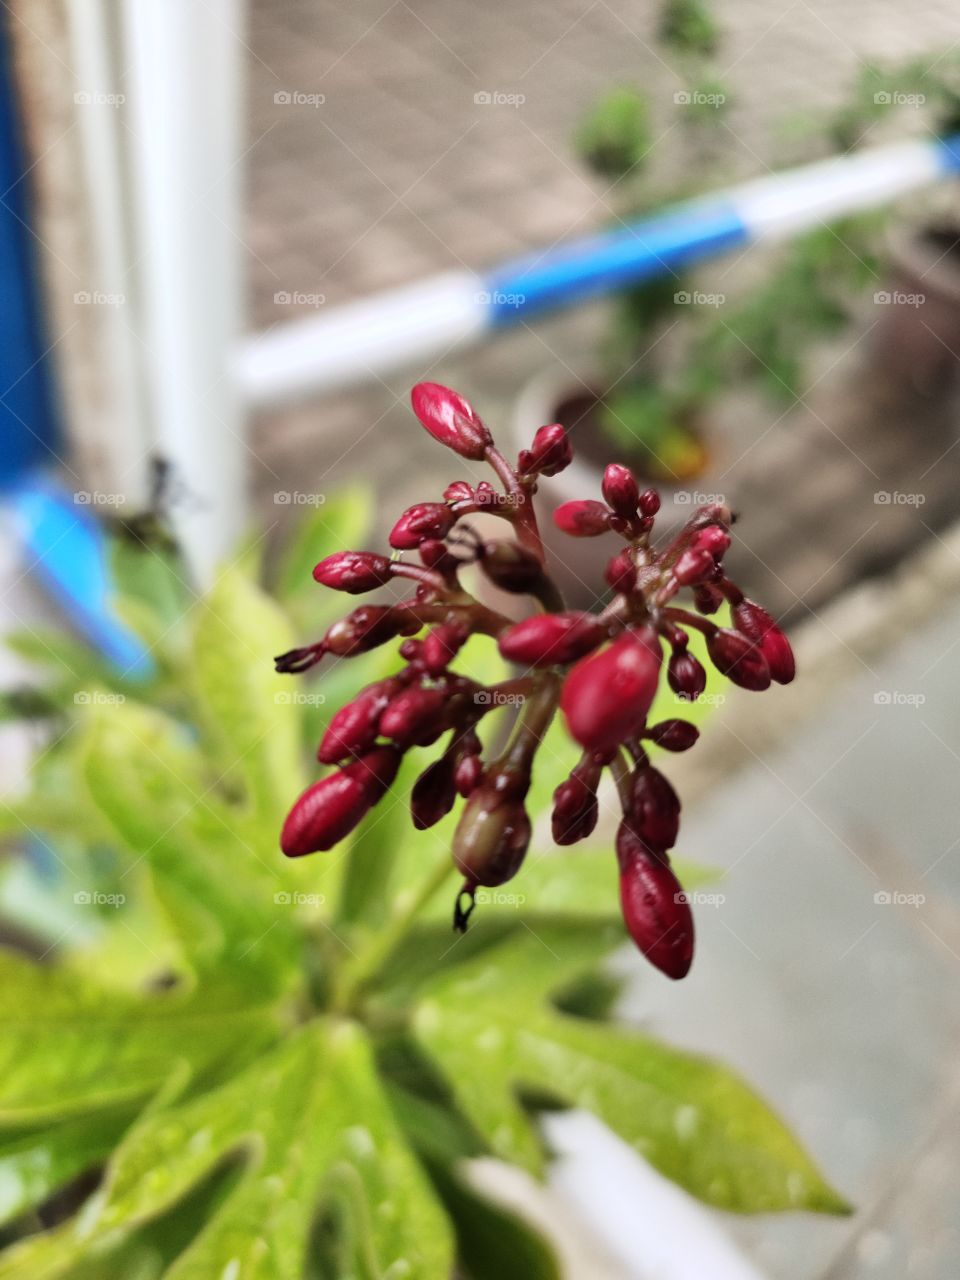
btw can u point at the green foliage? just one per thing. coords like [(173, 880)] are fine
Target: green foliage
[(688, 27), (615, 137), (276, 1069)]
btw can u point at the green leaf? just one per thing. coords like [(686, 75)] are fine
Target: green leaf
[(488, 1026), (215, 874), (152, 574), (68, 1047), (254, 718), (310, 1121)]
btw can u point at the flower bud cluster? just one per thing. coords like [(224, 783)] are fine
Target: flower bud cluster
[(601, 670)]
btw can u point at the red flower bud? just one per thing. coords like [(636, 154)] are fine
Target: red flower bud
[(686, 675), (738, 658), (621, 573), (552, 638), (757, 625), (582, 519), (620, 490), (712, 539), (491, 837), (550, 452), (649, 503), (331, 808), (418, 523), (414, 716), (693, 566), (655, 908), (353, 730), (575, 809), (441, 645), (607, 695), (450, 419), (433, 793), (365, 628), (468, 773), (674, 735), (655, 809), (458, 491), (353, 571), (707, 599)]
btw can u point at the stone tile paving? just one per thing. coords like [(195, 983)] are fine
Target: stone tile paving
[(829, 973)]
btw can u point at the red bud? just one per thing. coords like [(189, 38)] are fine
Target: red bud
[(550, 452), (353, 571), (674, 735), (655, 908), (655, 809), (353, 730), (331, 808), (620, 490), (757, 625), (712, 539), (418, 523), (686, 675), (693, 566), (441, 645), (363, 629), (491, 838), (621, 573), (649, 502), (607, 695), (415, 716), (433, 793), (582, 519), (552, 638), (575, 809), (450, 419), (468, 773), (738, 658)]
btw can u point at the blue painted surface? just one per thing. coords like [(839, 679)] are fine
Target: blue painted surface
[(27, 418), (612, 260), (66, 550), (949, 153)]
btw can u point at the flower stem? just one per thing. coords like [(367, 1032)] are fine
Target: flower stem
[(370, 962)]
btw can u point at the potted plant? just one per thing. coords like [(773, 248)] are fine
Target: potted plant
[(236, 1064)]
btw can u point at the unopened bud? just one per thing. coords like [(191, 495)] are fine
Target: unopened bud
[(649, 503), (655, 908), (757, 625), (575, 809), (450, 419), (693, 566), (441, 645), (674, 735), (491, 838), (414, 717), (621, 573), (353, 571), (426, 520), (686, 675), (550, 452), (433, 794), (582, 518), (620, 490), (330, 809), (365, 628), (738, 658), (655, 809), (353, 730), (549, 639), (468, 773), (606, 696)]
